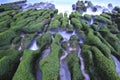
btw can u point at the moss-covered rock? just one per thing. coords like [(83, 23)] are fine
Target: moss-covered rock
[(74, 66), (26, 70), (106, 15), (6, 37), (111, 39), (74, 38), (118, 35), (113, 29), (36, 27), (104, 66), (58, 16), (70, 28), (9, 61), (103, 28), (74, 41), (4, 25), (81, 34), (95, 26), (85, 26), (88, 60), (9, 6), (64, 22), (7, 15), (16, 40), (5, 47), (75, 15), (27, 40), (103, 19), (44, 40), (93, 40), (50, 64), (54, 24), (33, 12), (76, 22), (87, 17), (113, 51), (65, 45), (74, 44), (30, 22)]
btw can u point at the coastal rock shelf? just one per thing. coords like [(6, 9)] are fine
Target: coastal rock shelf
[(42, 44)]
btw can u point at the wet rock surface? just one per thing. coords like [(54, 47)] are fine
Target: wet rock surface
[(41, 44)]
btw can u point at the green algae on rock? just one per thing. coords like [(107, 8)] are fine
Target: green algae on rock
[(87, 17), (54, 24), (75, 15), (77, 23), (64, 22), (103, 19), (110, 38), (74, 66), (88, 60), (9, 61), (106, 72), (70, 28), (25, 69), (27, 40), (44, 40), (93, 40), (101, 40), (50, 64), (64, 45), (6, 37)]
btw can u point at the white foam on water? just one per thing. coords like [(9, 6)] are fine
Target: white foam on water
[(66, 35), (81, 41), (34, 45), (117, 63), (20, 48), (92, 21)]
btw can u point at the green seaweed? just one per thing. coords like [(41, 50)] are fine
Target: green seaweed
[(27, 40), (93, 40), (9, 61), (87, 17), (6, 37), (74, 66), (25, 69), (76, 22), (50, 64), (111, 39), (44, 40), (64, 22), (54, 24), (105, 67), (75, 15), (70, 28), (88, 60), (103, 19)]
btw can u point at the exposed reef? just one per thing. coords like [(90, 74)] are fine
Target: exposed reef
[(78, 46)]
